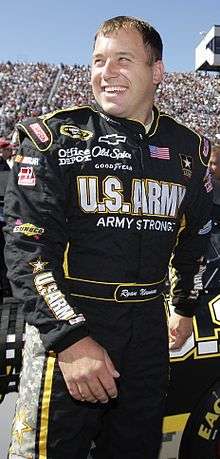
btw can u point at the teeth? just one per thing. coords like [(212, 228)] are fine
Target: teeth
[(114, 89)]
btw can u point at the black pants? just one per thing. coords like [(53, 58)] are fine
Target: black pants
[(57, 426)]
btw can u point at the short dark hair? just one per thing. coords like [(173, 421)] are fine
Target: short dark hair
[(151, 38)]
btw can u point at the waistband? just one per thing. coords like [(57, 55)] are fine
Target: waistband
[(115, 291)]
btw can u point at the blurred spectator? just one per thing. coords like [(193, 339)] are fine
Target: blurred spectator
[(74, 88), (214, 165), (194, 99), (24, 90), (34, 89), (214, 162), (211, 277)]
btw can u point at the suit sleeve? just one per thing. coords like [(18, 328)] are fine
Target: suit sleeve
[(187, 263), (36, 239)]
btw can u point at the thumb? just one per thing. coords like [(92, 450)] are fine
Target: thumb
[(110, 366)]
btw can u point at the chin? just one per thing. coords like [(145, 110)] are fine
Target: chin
[(112, 109)]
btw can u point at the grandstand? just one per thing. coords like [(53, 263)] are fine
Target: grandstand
[(33, 89)]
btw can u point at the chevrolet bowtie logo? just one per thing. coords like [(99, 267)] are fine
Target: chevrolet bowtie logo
[(112, 139)]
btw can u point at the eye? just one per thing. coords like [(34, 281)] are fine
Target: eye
[(124, 59), (98, 62)]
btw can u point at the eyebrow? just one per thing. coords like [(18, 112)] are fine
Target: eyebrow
[(118, 54)]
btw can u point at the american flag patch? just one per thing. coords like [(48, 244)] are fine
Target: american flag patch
[(159, 152)]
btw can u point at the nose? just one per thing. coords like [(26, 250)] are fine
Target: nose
[(110, 69)]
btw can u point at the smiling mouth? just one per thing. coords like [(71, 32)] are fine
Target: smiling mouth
[(114, 89)]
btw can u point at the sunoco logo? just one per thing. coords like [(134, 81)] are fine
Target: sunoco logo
[(28, 229)]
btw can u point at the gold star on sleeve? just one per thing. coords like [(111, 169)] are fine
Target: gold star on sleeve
[(20, 427), (38, 265)]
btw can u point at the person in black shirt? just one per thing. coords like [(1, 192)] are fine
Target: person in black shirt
[(211, 277), (5, 154), (98, 200)]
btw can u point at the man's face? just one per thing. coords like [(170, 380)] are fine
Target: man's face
[(214, 164), (122, 80)]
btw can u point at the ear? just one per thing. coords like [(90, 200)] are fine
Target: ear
[(158, 72)]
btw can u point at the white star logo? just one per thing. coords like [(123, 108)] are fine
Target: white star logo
[(187, 163), (38, 265)]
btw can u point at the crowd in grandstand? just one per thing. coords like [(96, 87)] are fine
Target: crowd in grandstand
[(33, 89)]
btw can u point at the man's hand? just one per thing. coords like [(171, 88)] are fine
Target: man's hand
[(180, 329), (88, 371)]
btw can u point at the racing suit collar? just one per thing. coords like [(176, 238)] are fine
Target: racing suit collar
[(130, 123)]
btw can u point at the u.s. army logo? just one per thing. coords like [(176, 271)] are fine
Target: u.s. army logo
[(186, 163), (75, 132)]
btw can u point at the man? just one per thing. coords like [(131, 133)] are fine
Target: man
[(5, 151), (214, 162), (94, 207), (211, 277), (214, 165)]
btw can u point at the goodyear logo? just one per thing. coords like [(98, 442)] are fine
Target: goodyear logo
[(75, 132), (28, 229)]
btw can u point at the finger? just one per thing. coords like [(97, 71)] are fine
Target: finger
[(171, 343), (109, 385), (178, 342), (98, 390), (172, 346), (74, 391), (110, 366), (86, 393), (173, 332)]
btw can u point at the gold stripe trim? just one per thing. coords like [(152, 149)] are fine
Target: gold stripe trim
[(121, 284), (165, 115), (65, 261), (8, 369), (115, 299), (32, 139), (45, 408), (175, 423), (48, 116), (91, 297)]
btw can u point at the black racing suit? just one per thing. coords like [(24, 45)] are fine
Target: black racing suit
[(4, 285), (211, 277), (95, 208)]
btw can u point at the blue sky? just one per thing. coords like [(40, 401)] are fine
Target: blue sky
[(62, 31)]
